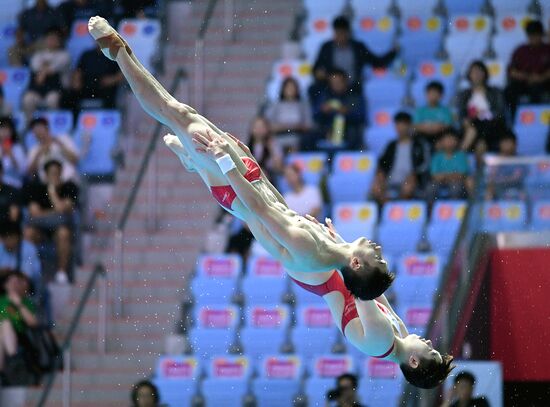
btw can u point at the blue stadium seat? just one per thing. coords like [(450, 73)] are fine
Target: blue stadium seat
[(504, 216), (331, 8), (417, 278), (142, 35), (7, 38), (355, 220), (385, 92), (278, 382), (408, 8), (377, 33), (380, 385), (351, 177), (444, 225), (371, 7), (323, 372), (468, 38), (60, 122), (463, 7), (428, 71), (214, 316), (315, 315), (421, 38), (10, 11), (298, 69), (401, 226), (497, 72), (177, 377), (264, 290), (504, 45), (311, 342), (540, 215), (265, 330), (318, 30), (538, 179), (415, 317), (378, 138), (97, 134), (531, 127), (207, 342), (510, 7), (15, 82), (216, 280), (227, 381), (79, 41)]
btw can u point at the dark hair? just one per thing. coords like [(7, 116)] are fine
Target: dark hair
[(338, 72), (351, 377), (369, 283), (144, 383), (51, 162), (402, 117), (266, 153), (38, 121), (9, 228), (1, 91), (478, 64), (341, 23), (464, 375), (508, 135), (8, 122), (435, 85), (288, 80), (55, 30), (429, 373), (534, 27)]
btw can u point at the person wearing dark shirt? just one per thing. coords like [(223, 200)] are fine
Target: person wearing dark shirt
[(346, 54), (9, 201), (345, 394), (100, 77), (529, 68), (35, 22), (73, 10), (461, 394), (403, 166), (136, 8), (51, 208), (339, 112)]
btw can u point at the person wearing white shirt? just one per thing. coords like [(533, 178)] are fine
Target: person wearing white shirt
[(304, 199)]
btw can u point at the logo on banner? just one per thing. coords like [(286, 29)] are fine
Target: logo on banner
[(544, 212), (229, 368), (220, 266), (332, 366), (171, 368), (320, 25), (396, 213), (282, 368), (367, 23), (3, 77), (129, 29), (382, 118), (418, 266), (509, 23), (81, 29), (285, 70), (108, 121), (346, 164), (266, 266), (494, 212), (381, 369), (418, 316), (89, 121), (19, 76), (217, 318), (317, 317), (414, 23), (60, 120), (149, 29), (345, 213), (462, 24), (267, 318)]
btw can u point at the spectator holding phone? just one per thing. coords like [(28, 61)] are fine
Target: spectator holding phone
[(12, 155)]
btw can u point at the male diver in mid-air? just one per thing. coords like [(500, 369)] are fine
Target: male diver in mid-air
[(311, 252)]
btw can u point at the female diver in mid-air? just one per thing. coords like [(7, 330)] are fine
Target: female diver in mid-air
[(311, 252)]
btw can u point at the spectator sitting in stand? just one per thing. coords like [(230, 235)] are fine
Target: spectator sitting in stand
[(481, 112), (72, 95), (100, 77), (145, 394), (72, 10), (449, 170), (61, 147), (20, 53), (505, 181), (17, 312), (36, 21), (345, 394), (19, 254), (340, 112), (302, 198), (462, 393), (264, 148), (12, 154), (431, 120), (48, 67), (529, 68), (403, 166), (51, 208), (10, 200), (5, 107), (290, 116), (345, 54)]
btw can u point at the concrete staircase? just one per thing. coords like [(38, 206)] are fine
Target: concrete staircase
[(157, 262)]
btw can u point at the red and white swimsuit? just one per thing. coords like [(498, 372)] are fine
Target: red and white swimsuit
[(336, 283), (225, 195)]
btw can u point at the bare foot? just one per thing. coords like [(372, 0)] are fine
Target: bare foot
[(174, 144), (106, 36)]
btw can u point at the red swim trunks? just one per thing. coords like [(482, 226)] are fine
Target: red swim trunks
[(225, 195)]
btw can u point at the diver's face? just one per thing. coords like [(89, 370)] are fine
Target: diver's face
[(422, 348), (369, 253)]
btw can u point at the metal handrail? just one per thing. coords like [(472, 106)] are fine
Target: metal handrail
[(99, 270)]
